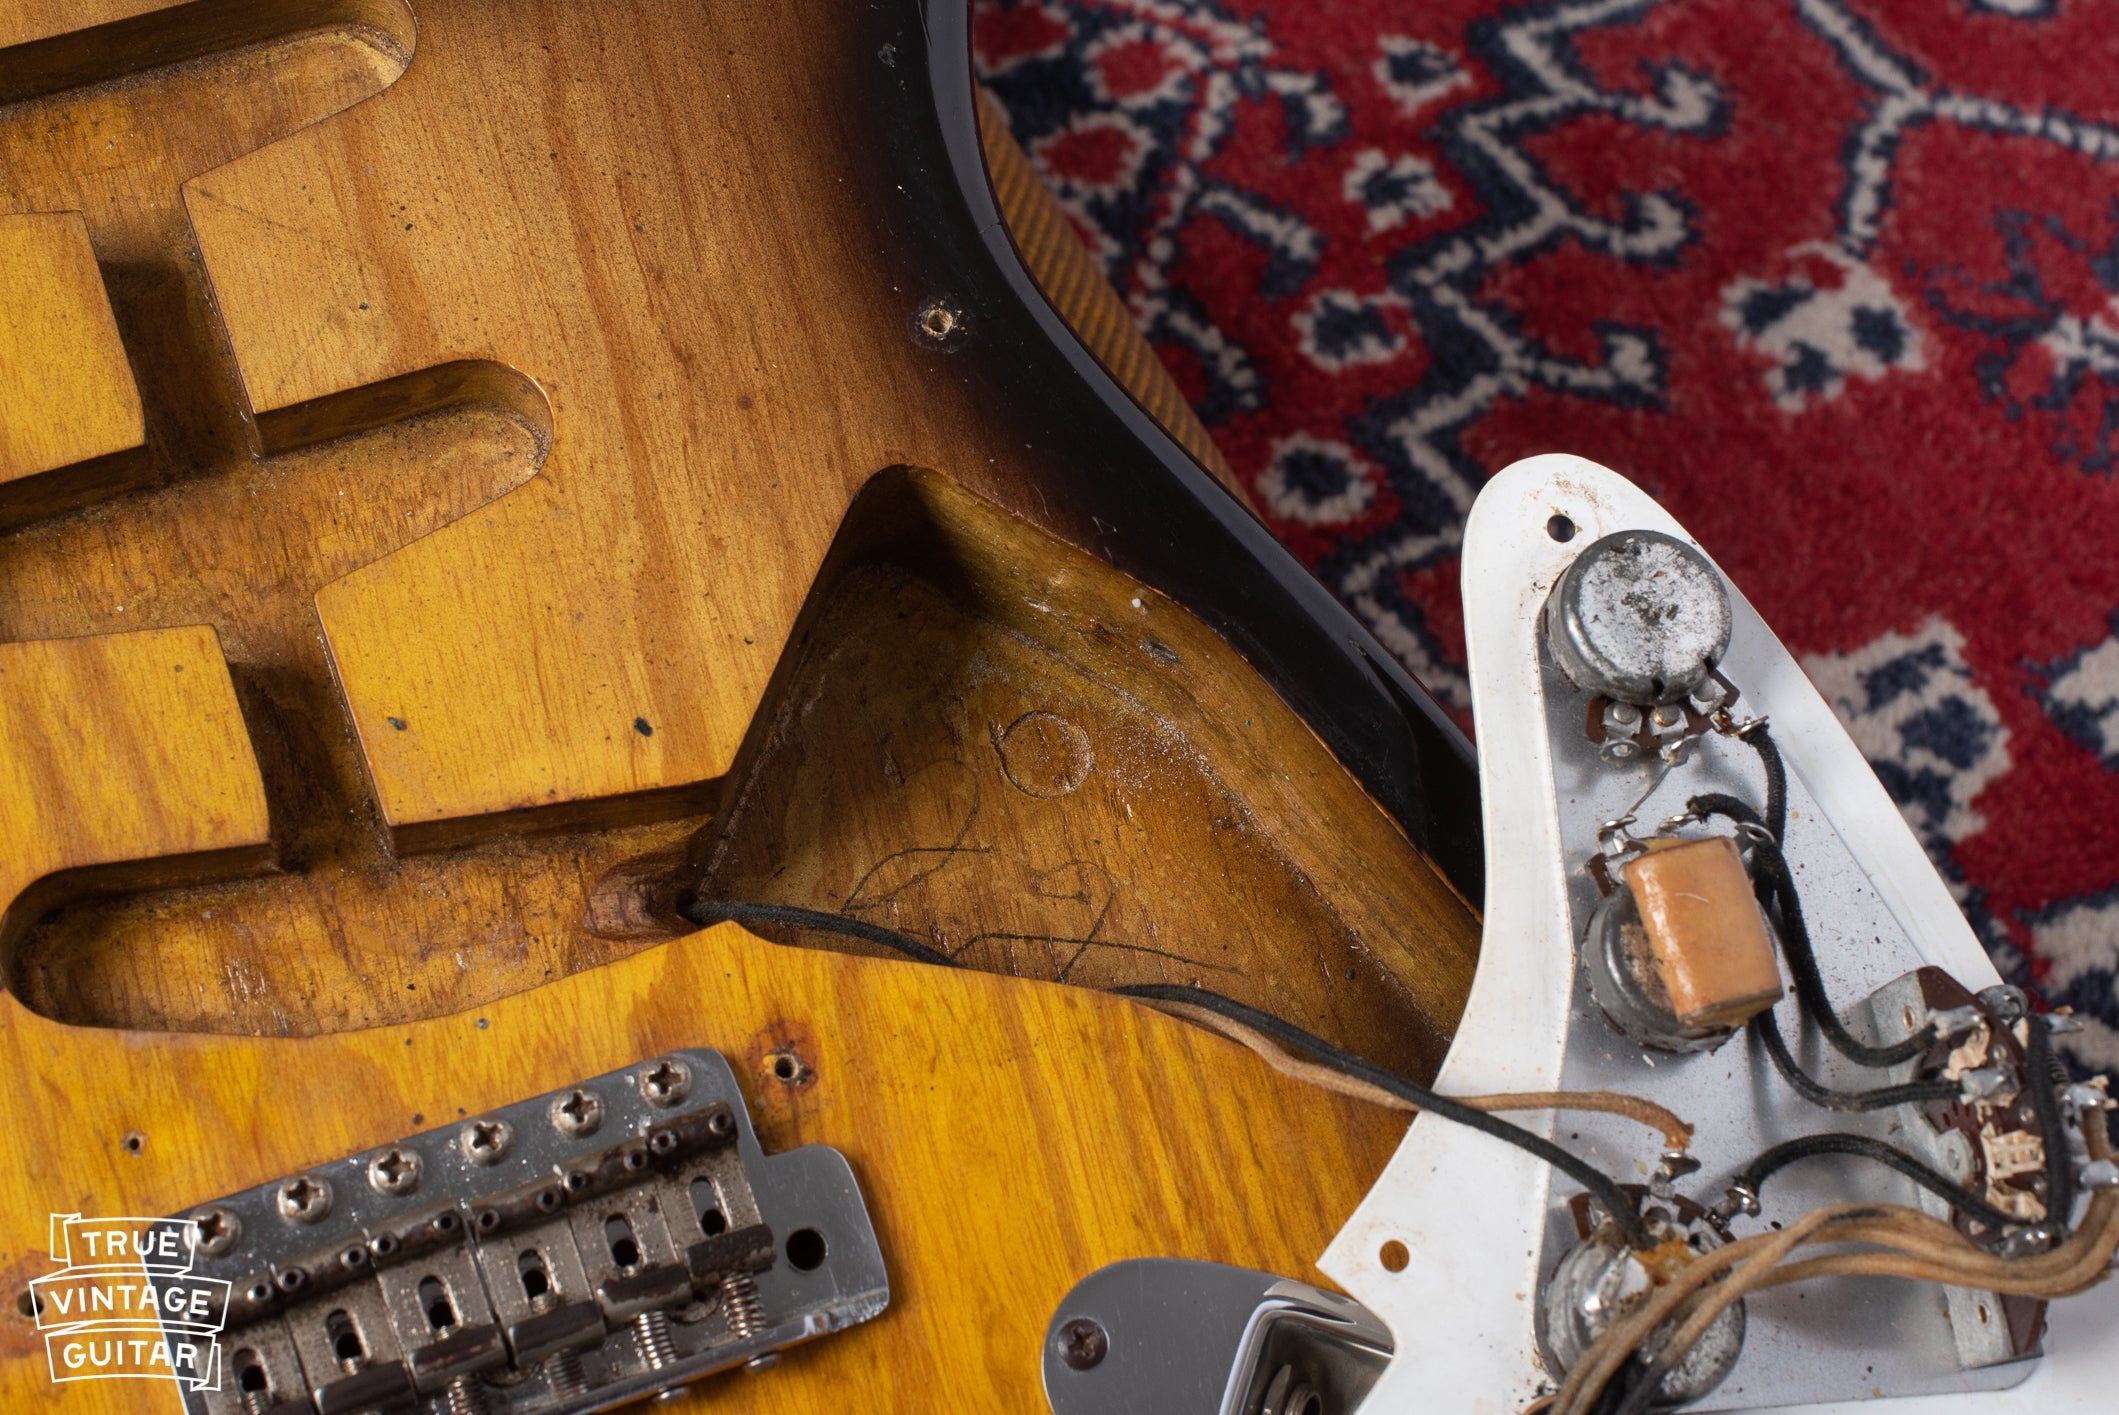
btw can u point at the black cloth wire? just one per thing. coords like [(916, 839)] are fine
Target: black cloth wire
[(2040, 1068), (1615, 1200), (1817, 1093), (1634, 1389), (1775, 884), (725, 911), (1760, 739), (1625, 1212), (1754, 1175)]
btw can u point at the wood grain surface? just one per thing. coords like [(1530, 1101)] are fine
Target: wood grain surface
[(208, 530), (523, 414), (1037, 766), (598, 199), (240, 520), (1009, 1138), (120, 754), (63, 377)]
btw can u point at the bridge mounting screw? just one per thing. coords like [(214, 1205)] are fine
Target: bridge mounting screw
[(1083, 1343), (394, 1171), (486, 1141), (214, 1232), (304, 1198), (577, 1113), (665, 1082)]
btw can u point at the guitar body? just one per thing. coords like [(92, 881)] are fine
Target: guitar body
[(482, 476)]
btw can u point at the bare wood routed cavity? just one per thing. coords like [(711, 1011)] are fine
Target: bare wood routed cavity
[(120, 756), (498, 597), (1035, 765)]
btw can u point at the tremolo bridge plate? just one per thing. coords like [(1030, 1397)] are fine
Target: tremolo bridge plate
[(616, 1238)]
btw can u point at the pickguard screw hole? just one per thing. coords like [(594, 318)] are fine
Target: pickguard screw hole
[(134, 1142), (940, 323), (1560, 528), (1394, 1257)]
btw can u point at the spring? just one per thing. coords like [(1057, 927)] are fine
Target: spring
[(739, 1303), (464, 1398), (562, 1369), (652, 1331), (563, 1373)]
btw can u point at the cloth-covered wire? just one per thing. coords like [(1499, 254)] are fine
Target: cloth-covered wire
[(1907, 1244), (1624, 1210), (1677, 1135), (2040, 1068), (724, 911), (1768, 1028), (1759, 737), (1775, 884), (1754, 1175)]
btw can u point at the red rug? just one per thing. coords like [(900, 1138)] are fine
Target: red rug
[(1836, 280)]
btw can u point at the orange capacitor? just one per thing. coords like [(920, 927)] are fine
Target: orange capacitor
[(1709, 941)]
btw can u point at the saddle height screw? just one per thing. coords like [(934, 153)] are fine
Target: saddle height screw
[(666, 1082), (304, 1198), (577, 1113), (214, 1232), (394, 1171), (486, 1141)]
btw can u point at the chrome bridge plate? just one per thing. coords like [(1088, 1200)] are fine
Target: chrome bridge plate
[(617, 1238)]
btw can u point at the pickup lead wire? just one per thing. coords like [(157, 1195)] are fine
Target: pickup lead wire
[(1617, 1202), (1768, 1028)]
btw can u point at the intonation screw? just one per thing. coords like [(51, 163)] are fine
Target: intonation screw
[(304, 1198), (665, 1082), (486, 1141), (214, 1232), (577, 1113), (394, 1171), (1083, 1343)]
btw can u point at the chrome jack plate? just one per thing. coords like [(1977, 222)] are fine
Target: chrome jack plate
[(618, 1238), (1166, 1336)]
